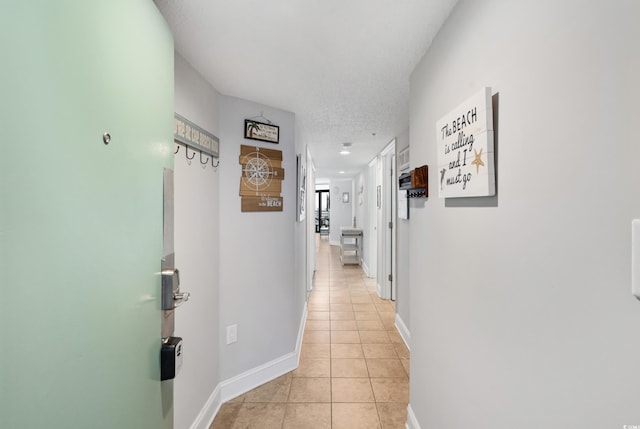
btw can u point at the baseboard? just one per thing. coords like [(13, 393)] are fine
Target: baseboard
[(301, 328), (334, 243), (255, 377), (248, 380), (209, 411), (412, 422), (365, 268), (403, 330)]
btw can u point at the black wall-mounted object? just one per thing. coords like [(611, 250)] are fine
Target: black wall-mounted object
[(170, 358), (404, 182), (415, 182)]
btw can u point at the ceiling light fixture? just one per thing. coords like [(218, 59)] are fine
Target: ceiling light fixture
[(345, 149)]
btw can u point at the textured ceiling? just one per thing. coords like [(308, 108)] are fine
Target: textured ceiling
[(342, 66)]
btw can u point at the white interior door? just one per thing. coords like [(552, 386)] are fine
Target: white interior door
[(386, 249)]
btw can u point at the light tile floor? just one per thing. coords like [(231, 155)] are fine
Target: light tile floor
[(354, 366)]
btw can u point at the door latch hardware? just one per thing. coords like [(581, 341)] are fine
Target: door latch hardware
[(171, 295)]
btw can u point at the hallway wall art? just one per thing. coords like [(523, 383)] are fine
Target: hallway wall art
[(301, 180), (261, 181), (464, 138), (255, 130)]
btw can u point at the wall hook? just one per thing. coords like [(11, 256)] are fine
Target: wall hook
[(214, 166), (205, 161), (186, 153), (177, 149)]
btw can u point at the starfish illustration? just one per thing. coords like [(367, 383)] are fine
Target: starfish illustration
[(478, 160)]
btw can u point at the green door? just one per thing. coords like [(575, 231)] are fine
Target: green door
[(81, 220)]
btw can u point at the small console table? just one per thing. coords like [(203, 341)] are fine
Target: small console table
[(350, 245)]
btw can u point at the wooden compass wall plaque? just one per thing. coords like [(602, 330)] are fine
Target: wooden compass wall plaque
[(261, 182)]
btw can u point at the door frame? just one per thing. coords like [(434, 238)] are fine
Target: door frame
[(318, 195), (372, 242), (387, 222)]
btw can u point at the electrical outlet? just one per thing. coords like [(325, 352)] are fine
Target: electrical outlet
[(232, 334)]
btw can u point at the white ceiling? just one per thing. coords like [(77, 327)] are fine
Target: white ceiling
[(342, 66)]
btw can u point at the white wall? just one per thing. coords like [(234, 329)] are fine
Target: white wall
[(247, 269), (341, 214), (402, 230), (258, 289), (521, 313), (197, 251)]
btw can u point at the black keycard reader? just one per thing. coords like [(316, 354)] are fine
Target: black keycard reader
[(170, 357)]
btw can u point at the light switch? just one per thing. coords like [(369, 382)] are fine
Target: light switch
[(232, 334)]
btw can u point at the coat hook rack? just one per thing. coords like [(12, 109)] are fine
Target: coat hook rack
[(196, 139), (204, 157)]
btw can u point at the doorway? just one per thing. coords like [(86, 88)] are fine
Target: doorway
[(387, 215), (322, 212)]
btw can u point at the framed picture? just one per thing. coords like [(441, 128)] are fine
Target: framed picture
[(466, 162), (345, 197), (301, 180), (255, 130), (403, 159)]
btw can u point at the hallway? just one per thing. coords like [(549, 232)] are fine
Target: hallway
[(354, 366)]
